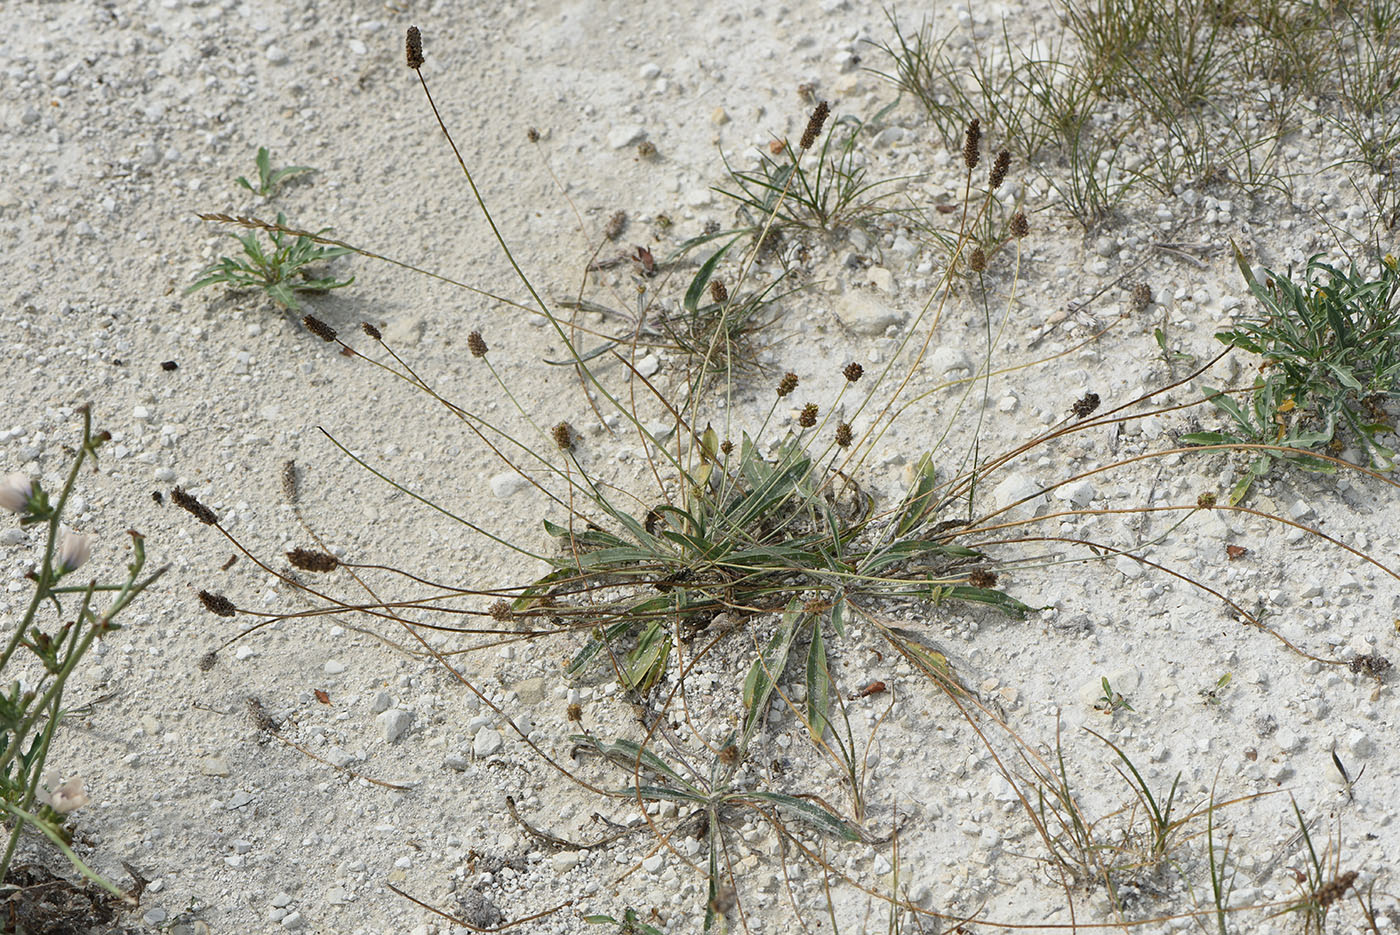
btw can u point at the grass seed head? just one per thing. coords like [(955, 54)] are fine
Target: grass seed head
[(1205, 501), (853, 372), (787, 384), (370, 330), (1142, 297), (726, 447), (413, 48), (187, 502), (289, 481), (978, 260), (476, 344), (319, 328), (575, 712), (999, 169), (312, 560), (1019, 226), (500, 611), (1085, 407), (718, 292), (207, 661), (563, 436), (981, 578), (808, 418), (217, 604), (972, 144), (616, 224), (843, 435), (1330, 892), (814, 125)]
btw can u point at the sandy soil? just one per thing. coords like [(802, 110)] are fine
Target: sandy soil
[(121, 121)]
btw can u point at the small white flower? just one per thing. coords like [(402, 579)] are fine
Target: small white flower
[(67, 796), (73, 550), (15, 492)]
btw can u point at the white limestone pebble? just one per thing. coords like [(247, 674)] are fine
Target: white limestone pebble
[(394, 723)]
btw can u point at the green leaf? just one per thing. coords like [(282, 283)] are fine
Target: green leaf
[(919, 500), (629, 754), (646, 663), (809, 812), (696, 291), (768, 668), (818, 685)]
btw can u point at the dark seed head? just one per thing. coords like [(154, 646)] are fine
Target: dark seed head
[(208, 661), (843, 435), (1019, 226), (575, 712), (718, 292), (217, 604), (787, 384), (187, 502), (1086, 406), (615, 226), (289, 481), (808, 416), (532, 135), (319, 328), (978, 260), (998, 175), (726, 446), (261, 719), (169, 365), (814, 125), (1142, 297), (1205, 501), (972, 144), (500, 610), (311, 560), (413, 48), (370, 330), (981, 578), (853, 372), (476, 344), (563, 436)]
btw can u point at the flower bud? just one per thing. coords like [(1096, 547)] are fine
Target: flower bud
[(15, 492), (66, 796), (74, 549)]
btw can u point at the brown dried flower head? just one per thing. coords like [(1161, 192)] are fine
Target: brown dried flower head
[(1020, 227), (616, 224), (533, 135), (563, 436), (575, 712), (261, 719), (319, 328), (972, 144), (977, 261), (808, 416), (217, 604), (729, 755), (999, 169), (1330, 892), (476, 344), (1142, 297), (413, 48), (187, 502), (843, 435), (1205, 501), (815, 124), (982, 578), (1372, 664), (787, 384), (1085, 407), (853, 372), (289, 481), (726, 447), (718, 292), (311, 560), (207, 661), (500, 610), (370, 330)]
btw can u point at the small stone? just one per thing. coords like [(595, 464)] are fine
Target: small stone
[(507, 484), (1014, 488), (334, 667), (456, 761), (14, 536), (293, 921), (865, 314), (394, 723), (946, 359), (564, 861), (648, 365), (382, 702), (1078, 493), (1358, 743), (719, 117), (626, 135), (214, 766), (276, 55), (238, 800), (164, 475), (881, 279), (282, 900), (649, 71), (141, 412), (654, 863), (488, 741), (405, 332), (1298, 509), (155, 916)]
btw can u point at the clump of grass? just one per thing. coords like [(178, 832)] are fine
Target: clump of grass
[(747, 563), (48, 654), (270, 179), (1330, 344), (280, 271)]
